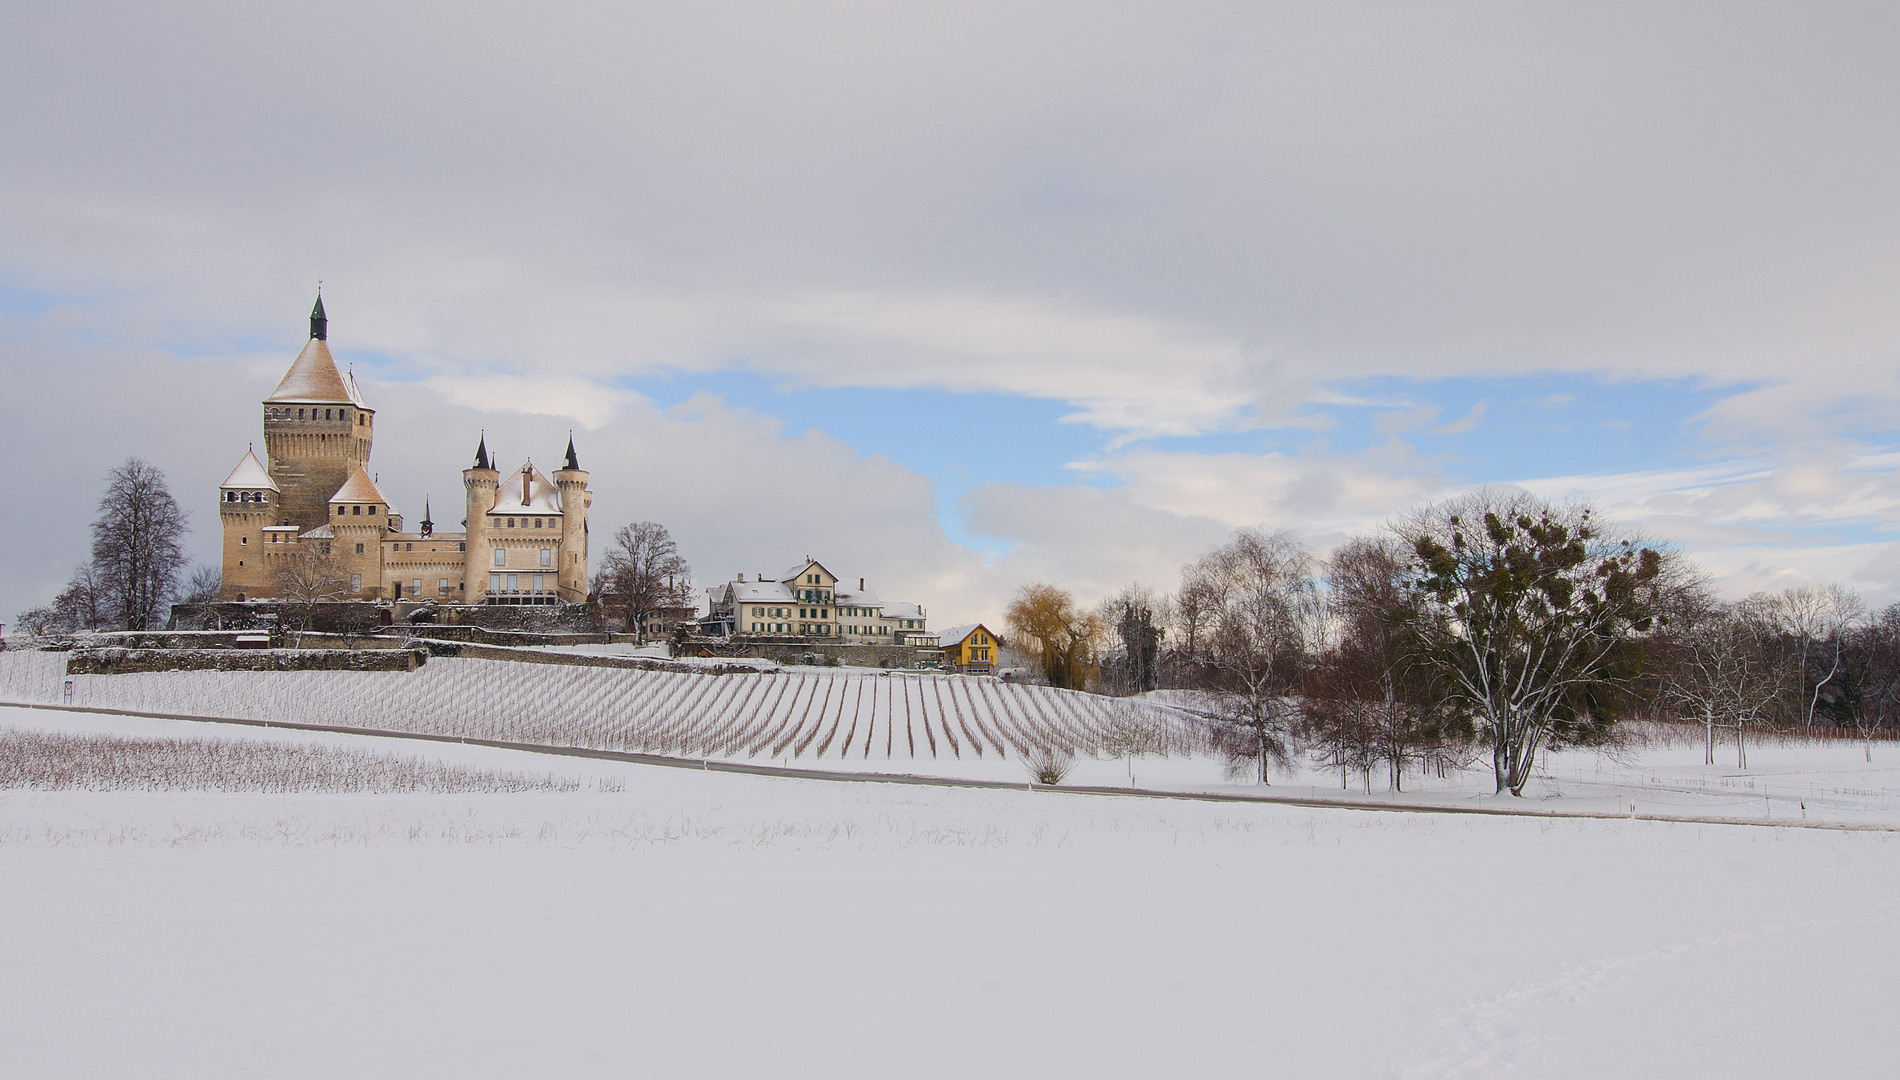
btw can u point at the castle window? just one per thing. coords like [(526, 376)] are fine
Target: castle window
[(300, 414), (462, 547), (230, 496), (501, 557), (359, 549), (415, 585), (339, 511), (356, 583), (442, 585), (244, 540), (357, 510), (547, 557), (537, 523), (511, 523), (372, 511)]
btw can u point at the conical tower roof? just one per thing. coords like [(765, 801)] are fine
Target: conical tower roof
[(312, 377), (359, 488), (250, 473)]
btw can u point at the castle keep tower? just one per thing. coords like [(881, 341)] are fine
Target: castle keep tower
[(317, 431)]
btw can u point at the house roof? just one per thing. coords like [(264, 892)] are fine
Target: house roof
[(321, 532), (359, 488), (798, 571), (956, 634), (761, 592), (250, 473), (859, 598), (313, 377), (542, 496)]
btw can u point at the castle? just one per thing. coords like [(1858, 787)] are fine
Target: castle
[(309, 521)]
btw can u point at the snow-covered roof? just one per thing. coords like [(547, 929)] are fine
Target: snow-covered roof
[(355, 391), (761, 592), (250, 474), (321, 532), (797, 573), (542, 496), (956, 634), (859, 598), (359, 488), (313, 377), (899, 609), (283, 528)]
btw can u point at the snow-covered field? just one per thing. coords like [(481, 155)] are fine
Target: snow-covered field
[(951, 726), (666, 922)]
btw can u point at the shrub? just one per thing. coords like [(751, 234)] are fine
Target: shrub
[(1049, 765)]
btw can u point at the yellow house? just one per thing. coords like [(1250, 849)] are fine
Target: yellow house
[(969, 649)]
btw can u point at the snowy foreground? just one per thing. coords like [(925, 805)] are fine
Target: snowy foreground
[(662, 922)]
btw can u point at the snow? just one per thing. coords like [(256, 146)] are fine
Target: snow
[(313, 377), (250, 475), (700, 924), (542, 496), (953, 726), (359, 488)]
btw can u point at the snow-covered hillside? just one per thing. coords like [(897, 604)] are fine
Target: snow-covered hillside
[(665, 922)]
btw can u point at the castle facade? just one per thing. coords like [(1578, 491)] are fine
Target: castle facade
[(309, 522)]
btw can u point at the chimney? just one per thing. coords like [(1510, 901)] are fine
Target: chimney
[(526, 472), (742, 577), (860, 584)]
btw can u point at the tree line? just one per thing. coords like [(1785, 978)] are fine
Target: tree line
[(1494, 625)]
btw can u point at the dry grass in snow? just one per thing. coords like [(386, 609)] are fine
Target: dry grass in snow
[(53, 761)]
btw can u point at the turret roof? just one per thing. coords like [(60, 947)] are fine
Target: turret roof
[(250, 473), (542, 496), (313, 376), (359, 488)]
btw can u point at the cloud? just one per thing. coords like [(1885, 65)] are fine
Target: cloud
[(1181, 223), (1392, 423), (1464, 423)]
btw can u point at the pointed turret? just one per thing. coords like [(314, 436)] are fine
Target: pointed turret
[(428, 527), (481, 452), (572, 461), (319, 323)]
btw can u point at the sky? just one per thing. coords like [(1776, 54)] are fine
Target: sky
[(959, 297)]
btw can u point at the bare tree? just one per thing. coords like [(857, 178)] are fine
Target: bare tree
[(308, 577), (1714, 663), (643, 573), (203, 585), (1260, 618), (137, 545), (1370, 699), (1819, 620), (77, 609), (1530, 615)]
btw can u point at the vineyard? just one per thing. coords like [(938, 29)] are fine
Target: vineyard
[(817, 716)]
